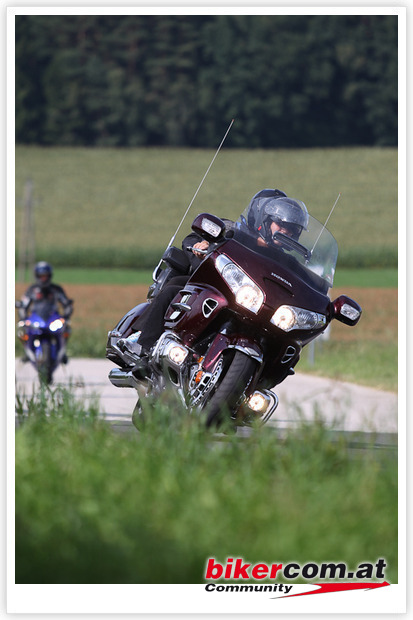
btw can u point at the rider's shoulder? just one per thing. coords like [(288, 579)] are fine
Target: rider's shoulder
[(56, 287), (31, 289)]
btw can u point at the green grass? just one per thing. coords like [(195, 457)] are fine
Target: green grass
[(117, 207), (94, 506), (370, 363), (366, 278)]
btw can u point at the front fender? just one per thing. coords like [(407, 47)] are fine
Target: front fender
[(249, 347), (231, 341)]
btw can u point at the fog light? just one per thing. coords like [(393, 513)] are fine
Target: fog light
[(177, 354), (258, 402)]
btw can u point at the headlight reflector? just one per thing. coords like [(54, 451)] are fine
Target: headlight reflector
[(290, 317), (247, 293)]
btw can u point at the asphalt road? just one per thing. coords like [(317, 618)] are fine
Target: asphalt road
[(344, 406)]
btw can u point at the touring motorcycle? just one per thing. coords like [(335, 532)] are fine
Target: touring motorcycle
[(44, 336), (237, 328)]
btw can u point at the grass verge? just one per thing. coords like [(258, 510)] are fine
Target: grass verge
[(370, 363), (93, 506)]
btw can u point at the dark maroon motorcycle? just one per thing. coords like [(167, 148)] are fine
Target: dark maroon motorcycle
[(237, 328)]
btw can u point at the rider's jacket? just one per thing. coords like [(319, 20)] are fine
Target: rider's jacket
[(44, 300)]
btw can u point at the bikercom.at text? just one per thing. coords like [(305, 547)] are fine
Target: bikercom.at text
[(239, 569)]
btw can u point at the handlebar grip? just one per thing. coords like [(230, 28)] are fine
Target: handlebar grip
[(193, 250)]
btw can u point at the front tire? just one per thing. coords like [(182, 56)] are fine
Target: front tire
[(230, 388), (44, 364)]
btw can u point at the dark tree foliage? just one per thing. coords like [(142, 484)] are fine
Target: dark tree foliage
[(290, 81)]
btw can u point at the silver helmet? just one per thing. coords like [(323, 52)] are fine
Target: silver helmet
[(290, 213)]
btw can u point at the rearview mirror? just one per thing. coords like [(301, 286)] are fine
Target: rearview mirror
[(346, 310), (208, 226)]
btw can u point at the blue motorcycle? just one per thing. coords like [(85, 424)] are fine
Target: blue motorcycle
[(44, 337)]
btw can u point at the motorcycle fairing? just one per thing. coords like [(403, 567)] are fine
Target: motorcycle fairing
[(37, 328), (186, 315), (38, 323), (193, 309), (286, 284)]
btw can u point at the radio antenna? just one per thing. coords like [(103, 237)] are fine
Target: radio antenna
[(325, 223), (200, 185), (195, 195)]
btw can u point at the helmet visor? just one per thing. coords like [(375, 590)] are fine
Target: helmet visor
[(286, 228)]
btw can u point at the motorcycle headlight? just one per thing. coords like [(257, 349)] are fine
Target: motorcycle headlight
[(247, 293), (178, 354), (56, 324), (290, 317)]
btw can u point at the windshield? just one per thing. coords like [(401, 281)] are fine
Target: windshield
[(315, 250)]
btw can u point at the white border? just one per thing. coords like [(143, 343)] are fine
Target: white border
[(192, 599)]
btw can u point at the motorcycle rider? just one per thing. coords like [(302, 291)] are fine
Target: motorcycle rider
[(270, 211), (44, 298), (150, 324)]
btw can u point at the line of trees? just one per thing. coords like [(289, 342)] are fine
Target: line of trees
[(134, 80)]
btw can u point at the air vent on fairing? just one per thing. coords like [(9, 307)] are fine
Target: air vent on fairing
[(208, 307), (288, 355)]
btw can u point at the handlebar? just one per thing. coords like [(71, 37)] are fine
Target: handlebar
[(193, 250)]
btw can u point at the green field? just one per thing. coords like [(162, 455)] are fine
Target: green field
[(94, 506), (119, 207), (369, 278)]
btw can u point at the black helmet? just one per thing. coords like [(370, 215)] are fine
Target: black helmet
[(290, 213), (43, 269)]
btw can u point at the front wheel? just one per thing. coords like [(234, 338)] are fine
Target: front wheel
[(44, 364), (239, 371)]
